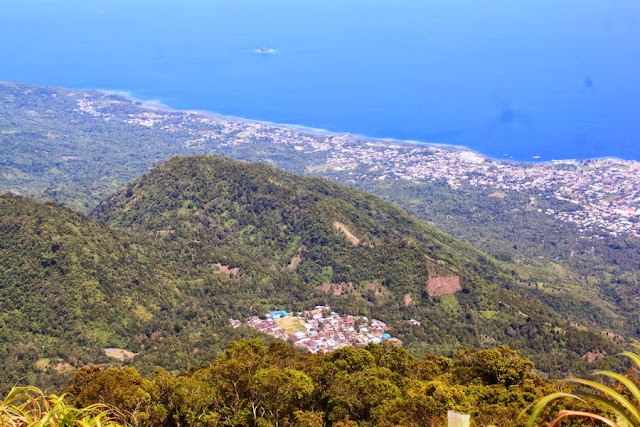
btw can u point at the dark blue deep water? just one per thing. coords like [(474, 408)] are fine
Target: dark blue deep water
[(525, 78)]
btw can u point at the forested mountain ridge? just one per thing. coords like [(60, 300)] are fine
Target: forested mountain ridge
[(76, 147), (200, 239), (71, 287), (217, 211), (289, 223)]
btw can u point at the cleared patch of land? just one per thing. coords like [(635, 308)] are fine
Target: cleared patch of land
[(290, 325), (337, 288), (376, 288), (119, 353), (344, 230), (443, 285), (498, 195), (297, 259), (226, 270), (408, 300)]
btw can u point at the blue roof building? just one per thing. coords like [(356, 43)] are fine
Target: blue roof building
[(278, 314)]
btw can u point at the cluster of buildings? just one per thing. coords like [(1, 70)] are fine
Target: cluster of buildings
[(604, 194), (319, 329)]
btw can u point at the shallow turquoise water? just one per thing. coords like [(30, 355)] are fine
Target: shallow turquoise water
[(549, 78)]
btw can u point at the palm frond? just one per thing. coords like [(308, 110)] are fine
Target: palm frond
[(625, 406), (30, 407)]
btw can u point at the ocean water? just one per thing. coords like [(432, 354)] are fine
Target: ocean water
[(510, 79)]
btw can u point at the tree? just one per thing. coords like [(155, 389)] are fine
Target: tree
[(425, 403), (356, 395), (276, 394), (124, 389), (500, 365)]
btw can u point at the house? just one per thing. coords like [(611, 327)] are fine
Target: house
[(278, 314)]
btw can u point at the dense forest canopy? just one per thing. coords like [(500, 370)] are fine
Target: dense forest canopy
[(381, 385), (77, 147), (149, 277)]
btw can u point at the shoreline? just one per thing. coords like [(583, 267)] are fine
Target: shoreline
[(154, 104)]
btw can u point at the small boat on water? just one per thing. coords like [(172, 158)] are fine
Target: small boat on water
[(265, 49)]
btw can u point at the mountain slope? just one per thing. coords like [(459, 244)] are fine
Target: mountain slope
[(201, 239), (71, 287), (75, 147), (299, 237)]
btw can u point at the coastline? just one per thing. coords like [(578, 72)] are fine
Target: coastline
[(154, 104)]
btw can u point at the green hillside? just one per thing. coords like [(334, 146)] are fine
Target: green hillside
[(153, 280), (292, 234), (71, 287), (76, 147)]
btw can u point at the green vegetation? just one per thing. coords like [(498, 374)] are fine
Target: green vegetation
[(450, 304), (54, 151), (613, 400), (593, 281), (176, 253), (51, 150), (395, 249), (251, 384), (30, 407), (203, 239), (72, 287)]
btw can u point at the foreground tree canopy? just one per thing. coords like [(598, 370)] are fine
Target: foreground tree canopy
[(258, 385), (251, 384)]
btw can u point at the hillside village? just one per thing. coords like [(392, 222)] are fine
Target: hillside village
[(605, 192), (320, 329)]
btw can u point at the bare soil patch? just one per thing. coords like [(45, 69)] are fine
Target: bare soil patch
[(45, 365), (119, 353), (297, 259), (348, 234), (63, 367), (408, 300), (347, 288), (231, 272), (592, 356), (337, 288), (377, 288), (443, 285)]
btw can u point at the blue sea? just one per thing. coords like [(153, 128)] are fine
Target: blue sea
[(513, 79)]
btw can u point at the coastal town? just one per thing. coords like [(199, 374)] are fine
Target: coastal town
[(604, 194), (319, 329)]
